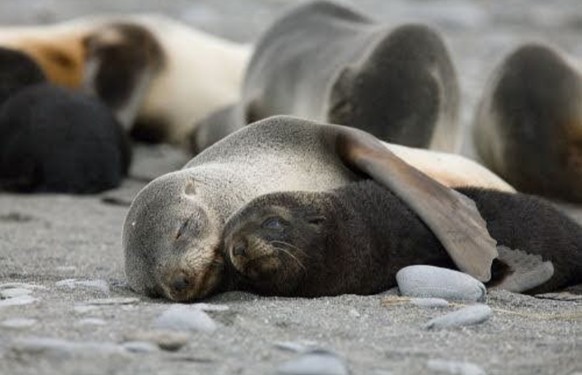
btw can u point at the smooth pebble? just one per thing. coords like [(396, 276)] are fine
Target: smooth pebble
[(64, 348), (210, 307), (166, 340), (474, 314), (435, 282), (17, 301), (100, 285), (14, 292), (18, 323), (319, 362), (185, 318), (113, 301), (140, 347), (454, 367)]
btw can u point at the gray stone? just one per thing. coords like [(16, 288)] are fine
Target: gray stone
[(295, 347), (166, 340), (436, 282), (14, 292), (100, 285), (429, 302), (63, 348), (18, 323), (454, 367), (320, 362), (17, 301), (469, 315), (140, 347), (113, 301), (185, 318), (210, 307)]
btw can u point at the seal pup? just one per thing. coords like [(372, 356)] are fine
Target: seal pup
[(173, 75), (528, 125), (328, 63), (55, 140), (171, 235), (17, 70), (355, 239)]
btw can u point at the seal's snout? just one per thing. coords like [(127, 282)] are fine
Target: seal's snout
[(180, 283), (239, 248)]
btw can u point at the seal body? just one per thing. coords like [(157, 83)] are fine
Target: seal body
[(158, 75), (325, 62), (54, 140), (171, 235), (528, 126), (355, 239), (17, 71)]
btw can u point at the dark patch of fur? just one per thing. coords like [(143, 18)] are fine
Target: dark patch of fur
[(17, 71)]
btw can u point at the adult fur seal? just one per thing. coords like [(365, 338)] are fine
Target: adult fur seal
[(528, 126), (354, 239), (325, 62), (155, 72), (171, 235), (54, 140)]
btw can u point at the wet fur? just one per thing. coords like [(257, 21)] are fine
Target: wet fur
[(367, 234)]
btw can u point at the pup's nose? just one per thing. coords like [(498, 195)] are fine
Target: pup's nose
[(239, 248), (180, 283)]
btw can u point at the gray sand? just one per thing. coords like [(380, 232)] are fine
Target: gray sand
[(65, 307)]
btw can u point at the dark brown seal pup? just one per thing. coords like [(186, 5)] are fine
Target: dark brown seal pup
[(528, 126), (325, 62), (17, 71), (171, 235), (55, 140), (354, 239)]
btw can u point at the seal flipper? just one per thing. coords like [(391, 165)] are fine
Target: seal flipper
[(452, 217), (528, 270)]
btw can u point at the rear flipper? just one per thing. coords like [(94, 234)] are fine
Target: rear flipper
[(526, 271)]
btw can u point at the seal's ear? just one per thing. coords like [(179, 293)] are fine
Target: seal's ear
[(453, 218)]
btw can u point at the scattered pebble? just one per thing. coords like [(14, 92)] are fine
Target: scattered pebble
[(63, 348), (319, 362), (454, 367), (17, 301), (429, 302), (14, 292), (18, 323), (295, 346), (185, 318), (166, 340), (100, 285), (436, 282), (20, 285), (469, 315), (92, 322), (210, 307), (140, 347), (113, 301)]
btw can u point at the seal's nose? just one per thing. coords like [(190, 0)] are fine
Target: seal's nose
[(239, 248), (180, 283)]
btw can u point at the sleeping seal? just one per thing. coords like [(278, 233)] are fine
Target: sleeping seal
[(355, 239), (327, 63), (55, 140), (528, 126), (172, 232), (154, 71)]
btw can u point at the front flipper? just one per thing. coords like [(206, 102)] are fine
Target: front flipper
[(452, 217), (528, 270)]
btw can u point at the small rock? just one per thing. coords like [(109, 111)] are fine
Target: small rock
[(14, 292), (319, 362), (140, 347), (18, 323), (63, 348), (185, 318), (455, 368), (166, 340), (210, 307), (469, 315), (20, 285), (100, 285), (17, 301), (294, 346), (429, 302), (113, 301), (92, 322), (436, 282)]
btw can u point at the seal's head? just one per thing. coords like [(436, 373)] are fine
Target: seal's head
[(171, 239), (269, 241)]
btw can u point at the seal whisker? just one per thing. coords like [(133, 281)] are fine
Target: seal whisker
[(288, 253), (289, 245)]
